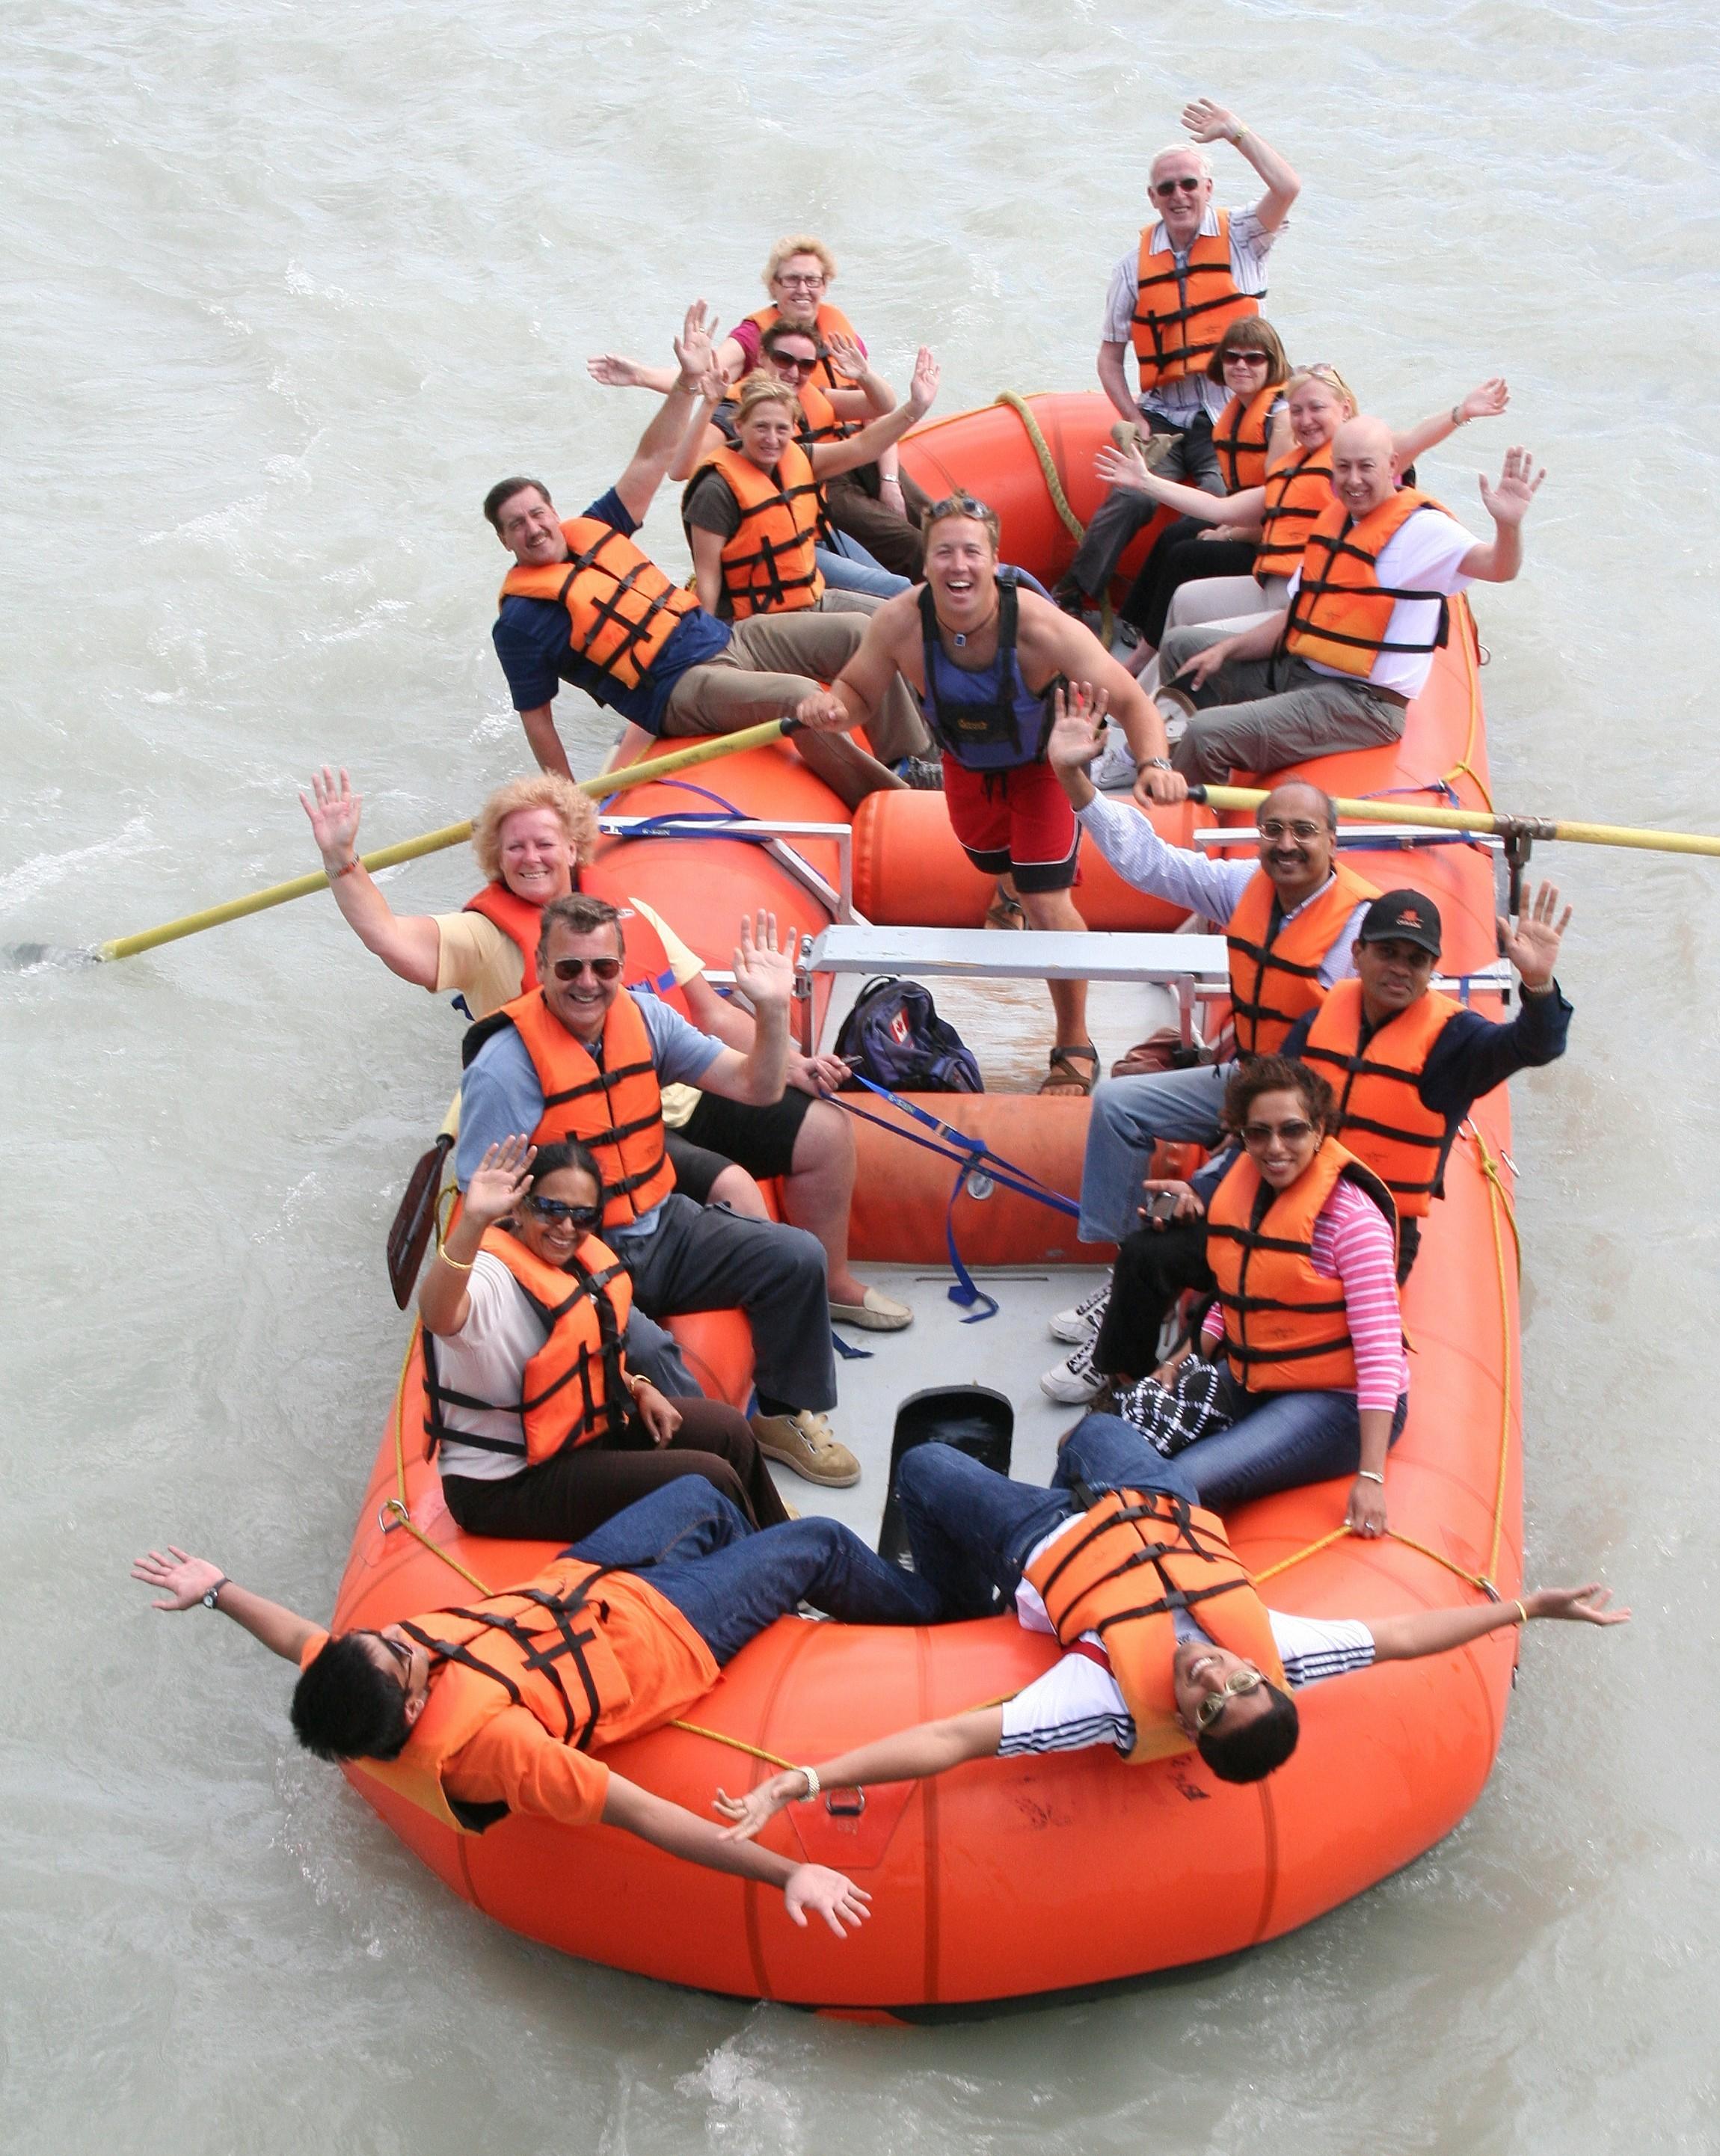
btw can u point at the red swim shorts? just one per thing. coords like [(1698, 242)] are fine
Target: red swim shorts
[(1018, 821)]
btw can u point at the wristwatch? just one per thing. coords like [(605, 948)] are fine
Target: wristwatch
[(209, 1599)]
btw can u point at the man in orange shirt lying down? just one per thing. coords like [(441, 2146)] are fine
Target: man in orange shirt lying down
[(496, 1705)]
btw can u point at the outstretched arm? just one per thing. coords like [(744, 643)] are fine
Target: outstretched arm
[(637, 484), (865, 447), (910, 1755), (1124, 468), (185, 1580), (1437, 1631), (1486, 401), (410, 945), (807, 1888), (615, 371), (1207, 122)]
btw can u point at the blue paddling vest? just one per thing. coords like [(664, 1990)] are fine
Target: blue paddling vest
[(986, 717)]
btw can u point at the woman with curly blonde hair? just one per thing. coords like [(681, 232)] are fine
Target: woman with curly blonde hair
[(531, 837)]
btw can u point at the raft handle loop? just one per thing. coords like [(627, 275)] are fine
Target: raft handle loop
[(401, 1517), (844, 1803)]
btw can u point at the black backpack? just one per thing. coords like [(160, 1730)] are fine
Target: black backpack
[(894, 1036)]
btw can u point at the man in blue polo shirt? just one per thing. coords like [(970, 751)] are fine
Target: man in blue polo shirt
[(597, 611)]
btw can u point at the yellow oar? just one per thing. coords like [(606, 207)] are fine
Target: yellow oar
[(1479, 819), (432, 842)]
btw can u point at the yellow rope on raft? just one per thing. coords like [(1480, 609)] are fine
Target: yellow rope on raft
[(411, 849), (1053, 487), (1463, 768), (396, 1504)]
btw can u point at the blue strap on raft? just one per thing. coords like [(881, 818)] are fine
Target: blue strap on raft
[(974, 1160)]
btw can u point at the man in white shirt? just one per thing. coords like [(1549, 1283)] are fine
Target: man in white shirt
[(1259, 704), (1176, 400), (974, 1533)]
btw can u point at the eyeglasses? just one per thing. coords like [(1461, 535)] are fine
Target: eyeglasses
[(1237, 1685), (1275, 827), (401, 1654), (1256, 1136), (794, 359), (1235, 358), (557, 1209), (1164, 189), (812, 283), (602, 969)]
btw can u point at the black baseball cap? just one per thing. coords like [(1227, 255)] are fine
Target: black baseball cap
[(1402, 916)]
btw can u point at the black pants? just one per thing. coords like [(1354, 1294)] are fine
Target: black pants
[(1154, 1266), (1180, 556), (567, 1498)]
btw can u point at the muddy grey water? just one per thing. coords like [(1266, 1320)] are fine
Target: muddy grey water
[(286, 288)]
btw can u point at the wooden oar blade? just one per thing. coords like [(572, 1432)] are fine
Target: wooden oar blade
[(409, 1237)]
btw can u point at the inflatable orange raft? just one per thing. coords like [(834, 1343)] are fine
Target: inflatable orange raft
[(1034, 1876)]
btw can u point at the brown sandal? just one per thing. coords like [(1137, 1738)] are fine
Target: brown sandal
[(1004, 911), (1063, 1077)]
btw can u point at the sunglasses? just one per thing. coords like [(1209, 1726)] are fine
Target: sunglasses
[(1237, 1685), (1235, 358), (957, 505), (557, 1209), (602, 969), (794, 359), (401, 1654), (1164, 189), (1256, 1136)]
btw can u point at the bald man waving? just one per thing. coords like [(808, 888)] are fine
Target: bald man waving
[(1336, 668)]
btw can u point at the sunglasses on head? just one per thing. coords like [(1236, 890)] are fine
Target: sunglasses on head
[(1164, 189), (557, 1209), (602, 969)]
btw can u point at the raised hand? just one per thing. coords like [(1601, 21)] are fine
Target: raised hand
[(812, 1890), (1123, 468), (695, 348), (499, 1181), (1487, 402), (334, 812), (923, 388), (1077, 726), (746, 1815), (1576, 1605), (1207, 122), (185, 1579), (763, 974), (1508, 502), (614, 371), (846, 358), (1532, 945), (714, 385)]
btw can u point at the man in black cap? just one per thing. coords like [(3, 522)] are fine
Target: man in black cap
[(1407, 1063)]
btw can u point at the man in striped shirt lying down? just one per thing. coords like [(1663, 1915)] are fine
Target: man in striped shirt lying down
[(1167, 1645)]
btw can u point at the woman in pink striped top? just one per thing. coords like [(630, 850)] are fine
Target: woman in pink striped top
[(1282, 1438)]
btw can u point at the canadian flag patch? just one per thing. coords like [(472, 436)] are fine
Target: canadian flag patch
[(899, 1029)]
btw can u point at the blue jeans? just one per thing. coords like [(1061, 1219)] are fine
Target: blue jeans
[(730, 1579), (971, 1529), (846, 566), (1128, 1117), (1292, 1439)]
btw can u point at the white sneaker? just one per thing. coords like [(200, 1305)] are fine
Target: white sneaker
[(1080, 1324), (1074, 1382), (1112, 771)]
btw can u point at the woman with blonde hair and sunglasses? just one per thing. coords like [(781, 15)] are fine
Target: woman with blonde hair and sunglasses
[(1296, 489)]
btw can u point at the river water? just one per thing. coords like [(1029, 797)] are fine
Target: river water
[(288, 285)]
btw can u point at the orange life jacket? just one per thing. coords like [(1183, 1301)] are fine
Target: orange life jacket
[(1137, 1556), (1180, 314), (1286, 1326), (1298, 493), (572, 1391), (821, 424), (1382, 1117), (1341, 612), (621, 607), (1275, 963), (541, 1646), (769, 565), (646, 963), (831, 322), (1239, 438), (615, 1108)]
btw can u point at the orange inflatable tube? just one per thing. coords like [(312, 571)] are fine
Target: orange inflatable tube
[(1034, 1876)]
